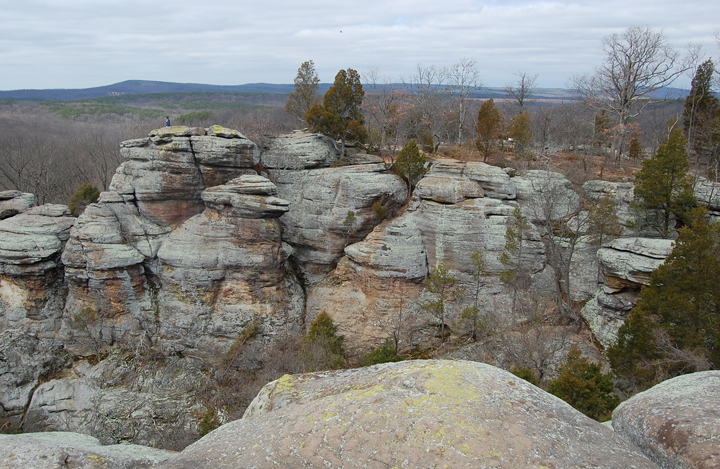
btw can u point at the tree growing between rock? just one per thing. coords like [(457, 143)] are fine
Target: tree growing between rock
[(85, 195), (439, 284), (701, 118), (340, 115), (410, 164), (472, 315), (322, 347), (584, 386), (514, 272), (675, 327)]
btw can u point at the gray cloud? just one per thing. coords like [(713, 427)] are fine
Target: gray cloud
[(82, 43)]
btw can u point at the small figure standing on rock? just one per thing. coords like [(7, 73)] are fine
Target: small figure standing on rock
[(167, 122)]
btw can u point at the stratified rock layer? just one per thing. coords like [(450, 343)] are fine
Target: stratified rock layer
[(221, 269), (675, 423), (410, 414)]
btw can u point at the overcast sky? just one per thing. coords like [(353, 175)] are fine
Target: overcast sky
[(86, 43)]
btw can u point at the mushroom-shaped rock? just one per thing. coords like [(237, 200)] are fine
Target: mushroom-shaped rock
[(249, 196), (410, 414), (676, 422)]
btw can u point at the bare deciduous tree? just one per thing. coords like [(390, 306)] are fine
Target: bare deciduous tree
[(521, 90), (638, 62), (463, 78)]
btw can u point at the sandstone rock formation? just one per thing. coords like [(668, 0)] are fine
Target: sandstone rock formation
[(221, 269), (410, 414), (675, 423), (66, 449), (14, 202), (321, 190), (626, 265)]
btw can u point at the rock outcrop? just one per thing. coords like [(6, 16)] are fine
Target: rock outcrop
[(410, 414), (225, 267), (66, 449), (14, 202), (626, 265), (322, 189), (675, 423)]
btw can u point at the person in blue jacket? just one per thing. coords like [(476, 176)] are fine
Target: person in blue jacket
[(167, 122)]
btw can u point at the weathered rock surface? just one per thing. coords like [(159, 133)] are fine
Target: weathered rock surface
[(373, 286), (54, 450), (495, 182), (165, 173), (628, 262), (124, 398), (226, 266), (320, 200), (626, 265), (14, 202), (545, 195), (410, 414), (25, 359), (708, 193), (676, 422)]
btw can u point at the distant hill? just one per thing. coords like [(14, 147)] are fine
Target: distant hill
[(133, 87)]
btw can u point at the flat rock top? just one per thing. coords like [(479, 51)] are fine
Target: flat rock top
[(411, 414), (677, 422)]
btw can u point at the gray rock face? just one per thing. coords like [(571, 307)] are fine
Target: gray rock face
[(165, 173), (675, 423), (14, 202), (226, 266), (320, 200), (708, 193), (494, 182), (626, 265), (628, 262), (545, 195), (623, 192), (54, 450), (410, 414), (300, 150), (24, 360), (124, 398)]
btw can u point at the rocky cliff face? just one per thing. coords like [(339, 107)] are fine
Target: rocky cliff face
[(110, 322)]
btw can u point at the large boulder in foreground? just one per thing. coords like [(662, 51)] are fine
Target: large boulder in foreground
[(54, 450), (677, 422), (411, 414)]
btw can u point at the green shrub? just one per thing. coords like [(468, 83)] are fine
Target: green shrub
[(384, 354), (209, 422), (85, 195), (322, 348), (525, 373), (584, 386)]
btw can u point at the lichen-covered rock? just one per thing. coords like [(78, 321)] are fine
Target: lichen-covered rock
[(25, 359), (225, 267), (605, 313), (316, 224), (124, 398), (410, 414), (54, 450), (14, 202), (676, 422)]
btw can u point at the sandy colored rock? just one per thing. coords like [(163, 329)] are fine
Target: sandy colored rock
[(54, 450), (410, 414), (628, 262), (675, 423)]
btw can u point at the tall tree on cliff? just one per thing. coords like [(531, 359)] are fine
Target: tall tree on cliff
[(663, 187), (340, 115), (306, 94), (489, 125)]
